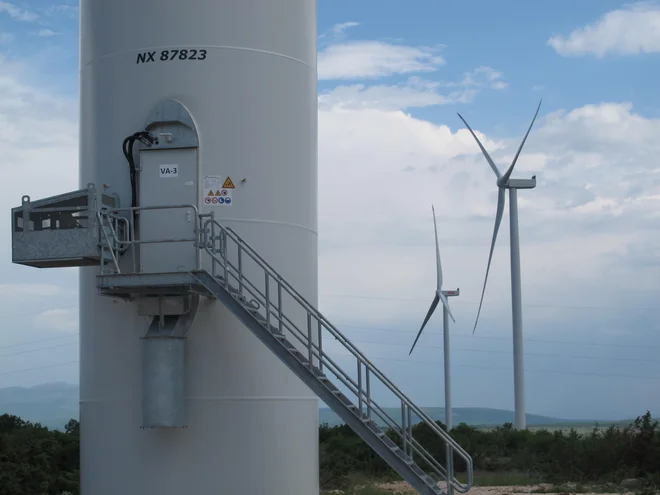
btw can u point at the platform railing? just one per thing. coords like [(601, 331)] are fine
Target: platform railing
[(111, 242)]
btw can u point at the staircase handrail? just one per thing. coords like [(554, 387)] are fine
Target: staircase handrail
[(335, 332)]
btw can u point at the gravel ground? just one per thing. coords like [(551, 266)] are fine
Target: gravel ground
[(402, 488)]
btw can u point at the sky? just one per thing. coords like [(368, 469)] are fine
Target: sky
[(392, 77)]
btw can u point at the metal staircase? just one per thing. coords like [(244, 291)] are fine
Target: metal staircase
[(270, 309), (318, 381), (228, 269)]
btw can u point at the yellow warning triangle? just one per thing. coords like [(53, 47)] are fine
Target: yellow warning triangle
[(228, 184), (217, 193), (210, 193)]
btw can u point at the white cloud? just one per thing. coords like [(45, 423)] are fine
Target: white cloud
[(16, 12), (481, 77), (389, 97), (632, 29), (30, 290), (46, 33), (70, 10), (414, 92), (338, 31), (373, 59), (38, 139), (596, 200), (477, 76), (602, 126), (61, 320)]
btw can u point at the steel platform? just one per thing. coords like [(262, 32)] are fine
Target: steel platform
[(135, 285)]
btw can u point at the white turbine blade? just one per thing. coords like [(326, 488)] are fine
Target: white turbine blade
[(438, 264), (498, 219), (445, 303), (483, 150), (507, 174), (434, 304)]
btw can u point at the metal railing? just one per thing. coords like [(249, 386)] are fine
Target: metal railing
[(229, 253), (111, 242)]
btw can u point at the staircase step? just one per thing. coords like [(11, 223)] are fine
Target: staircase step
[(418, 470)]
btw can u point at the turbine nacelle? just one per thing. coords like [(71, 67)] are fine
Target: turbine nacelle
[(520, 183)]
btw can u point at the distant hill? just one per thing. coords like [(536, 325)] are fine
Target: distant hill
[(51, 404), (473, 416), (54, 404)]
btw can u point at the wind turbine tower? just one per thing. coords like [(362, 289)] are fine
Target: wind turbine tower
[(442, 295), (504, 183)]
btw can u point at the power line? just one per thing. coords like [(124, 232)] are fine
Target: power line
[(37, 350), (463, 301), (414, 362), (38, 341), (527, 339), (554, 372), (32, 313), (38, 368), (397, 344), (494, 351)]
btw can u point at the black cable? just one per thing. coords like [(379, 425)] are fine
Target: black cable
[(127, 147), (128, 153)]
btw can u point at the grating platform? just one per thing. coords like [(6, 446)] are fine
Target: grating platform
[(133, 285)]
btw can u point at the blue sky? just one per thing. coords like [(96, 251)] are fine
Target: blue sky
[(392, 77)]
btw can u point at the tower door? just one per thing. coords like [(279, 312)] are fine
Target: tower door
[(168, 177)]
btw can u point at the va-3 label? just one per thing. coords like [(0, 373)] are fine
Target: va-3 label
[(171, 55), (169, 171)]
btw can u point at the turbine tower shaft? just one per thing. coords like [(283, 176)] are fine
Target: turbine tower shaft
[(448, 414), (516, 308)]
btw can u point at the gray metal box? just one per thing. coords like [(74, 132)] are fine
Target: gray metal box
[(59, 231)]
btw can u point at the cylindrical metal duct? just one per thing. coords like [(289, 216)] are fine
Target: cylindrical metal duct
[(163, 382)]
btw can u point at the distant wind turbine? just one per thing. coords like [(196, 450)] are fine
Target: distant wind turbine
[(442, 295), (505, 182), (439, 296)]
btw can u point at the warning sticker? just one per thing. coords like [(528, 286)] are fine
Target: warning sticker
[(215, 194), (228, 184)]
